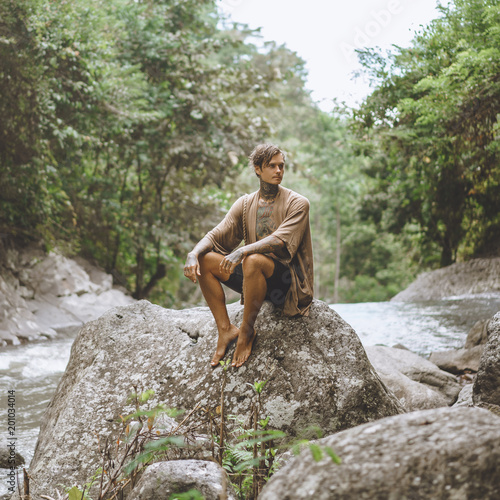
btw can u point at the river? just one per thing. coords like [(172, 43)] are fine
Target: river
[(33, 370)]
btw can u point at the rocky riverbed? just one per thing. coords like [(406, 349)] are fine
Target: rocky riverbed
[(317, 372), (43, 294)]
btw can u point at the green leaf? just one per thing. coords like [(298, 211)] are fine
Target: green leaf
[(164, 444), (145, 396), (188, 495), (259, 386), (335, 458), (143, 458), (316, 451), (75, 494), (263, 423)]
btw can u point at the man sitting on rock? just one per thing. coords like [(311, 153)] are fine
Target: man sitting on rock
[(275, 263)]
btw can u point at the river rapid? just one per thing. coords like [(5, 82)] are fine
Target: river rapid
[(33, 370)]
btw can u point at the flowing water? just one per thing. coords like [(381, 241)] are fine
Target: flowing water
[(34, 370)]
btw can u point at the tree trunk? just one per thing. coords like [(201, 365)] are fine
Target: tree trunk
[(161, 272), (337, 258), (139, 275), (448, 249)]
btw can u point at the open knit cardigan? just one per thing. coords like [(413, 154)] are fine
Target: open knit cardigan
[(291, 216)]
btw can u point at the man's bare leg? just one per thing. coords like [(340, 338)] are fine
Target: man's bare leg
[(256, 269), (216, 299)]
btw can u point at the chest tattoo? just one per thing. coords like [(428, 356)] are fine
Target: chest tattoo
[(265, 224)]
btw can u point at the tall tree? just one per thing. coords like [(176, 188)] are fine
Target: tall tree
[(431, 126)]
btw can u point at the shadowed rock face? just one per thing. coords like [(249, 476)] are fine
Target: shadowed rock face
[(316, 368), (445, 453), (486, 389), (43, 294)]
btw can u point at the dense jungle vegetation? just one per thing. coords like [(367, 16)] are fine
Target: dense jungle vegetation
[(125, 127)]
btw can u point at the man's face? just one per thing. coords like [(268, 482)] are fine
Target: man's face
[(272, 172)]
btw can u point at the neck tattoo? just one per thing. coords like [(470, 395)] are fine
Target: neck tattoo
[(268, 192)]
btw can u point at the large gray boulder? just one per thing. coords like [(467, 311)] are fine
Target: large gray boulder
[(17, 321), (162, 479), (486, 389), (316, 368), (416, 382), (444, 453), (462, 278)]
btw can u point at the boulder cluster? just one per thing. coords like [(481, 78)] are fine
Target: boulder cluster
[(41, 295), (402, 427)]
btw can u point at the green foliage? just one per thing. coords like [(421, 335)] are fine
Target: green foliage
[(119, 121), (225, 364), (430, 128), (188, 495), (140, 443), (258, 386), (125, 127), (250, 456), (74, 493), (82, 493)]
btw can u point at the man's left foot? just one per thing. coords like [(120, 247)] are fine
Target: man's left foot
[(225, 338), (243, 349)]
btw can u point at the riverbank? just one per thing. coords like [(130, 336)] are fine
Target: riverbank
[(471, 278), (43, 295), (168, 352), (375, 323)]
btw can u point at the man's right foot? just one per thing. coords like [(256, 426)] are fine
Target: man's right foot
[(225, 338)]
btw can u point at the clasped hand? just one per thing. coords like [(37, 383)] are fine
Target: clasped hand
[(192, 267), (229, 262), (226, 266)]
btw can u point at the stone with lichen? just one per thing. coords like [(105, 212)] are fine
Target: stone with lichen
[(316, 370)]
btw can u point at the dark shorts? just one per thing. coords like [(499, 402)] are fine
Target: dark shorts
[(277, 285)]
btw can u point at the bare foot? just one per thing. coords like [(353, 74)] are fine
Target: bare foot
[(225, 338), (243, 349)]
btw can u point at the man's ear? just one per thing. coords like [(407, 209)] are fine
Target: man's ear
[(258, 170)]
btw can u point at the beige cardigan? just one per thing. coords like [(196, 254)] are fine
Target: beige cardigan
[(291, 215)]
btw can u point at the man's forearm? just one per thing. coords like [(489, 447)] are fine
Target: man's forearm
[(202, 247), (269, 244)]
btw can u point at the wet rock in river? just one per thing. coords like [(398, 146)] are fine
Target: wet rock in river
[(458, 361), (10, 458), (416, 382)]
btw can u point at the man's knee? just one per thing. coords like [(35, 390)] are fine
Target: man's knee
[(258, 263), (209, 261), (210, 265)]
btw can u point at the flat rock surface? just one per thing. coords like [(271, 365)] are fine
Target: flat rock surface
[(444, 453), (458, 360), (316, 369)]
